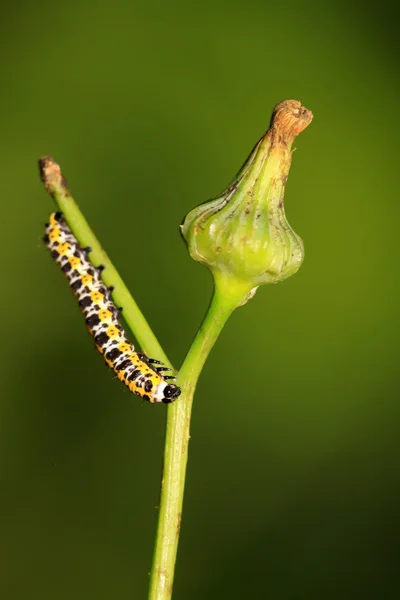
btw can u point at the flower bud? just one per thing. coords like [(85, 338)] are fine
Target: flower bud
[(243, 235)]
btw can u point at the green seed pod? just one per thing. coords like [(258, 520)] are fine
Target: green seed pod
[(243, 235)]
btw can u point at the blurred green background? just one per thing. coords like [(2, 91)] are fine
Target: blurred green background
[(151, 108)]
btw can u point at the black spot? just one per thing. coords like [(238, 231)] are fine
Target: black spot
[(77, 253), (46, 239), (54, 254), (143, 357), (111, 288), (92, 321), (111, 309), (147, 398), (67, 267), (101, 339), (135, 374), (58, 216), (148, 386), (124, 365), (90, 272), (100, 268), (76, 285), (87, 251), (85, 302), (113, 354)]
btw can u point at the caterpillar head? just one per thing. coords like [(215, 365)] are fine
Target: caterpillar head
[(171, 392)]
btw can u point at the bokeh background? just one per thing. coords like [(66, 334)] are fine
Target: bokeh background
[(151, 108)]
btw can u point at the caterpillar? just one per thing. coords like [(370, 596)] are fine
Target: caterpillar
[(141, 374)]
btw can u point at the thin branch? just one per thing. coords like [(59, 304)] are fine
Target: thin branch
[(56, 185)]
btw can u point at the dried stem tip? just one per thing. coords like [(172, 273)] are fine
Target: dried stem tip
[(289, 119), (50, 174)]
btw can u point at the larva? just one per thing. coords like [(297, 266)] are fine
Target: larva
[(141, 374)]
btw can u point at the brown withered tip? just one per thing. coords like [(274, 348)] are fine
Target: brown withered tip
[(50, 174), (289, 119)]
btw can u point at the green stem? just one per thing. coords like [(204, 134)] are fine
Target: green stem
[(56, 186), (223, 303)]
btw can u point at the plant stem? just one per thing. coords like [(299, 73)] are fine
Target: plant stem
[(57, 187), (223, 303)]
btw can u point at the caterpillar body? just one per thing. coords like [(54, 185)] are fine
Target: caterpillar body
[(141, 374)]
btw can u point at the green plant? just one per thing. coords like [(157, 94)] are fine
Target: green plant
[(244, 238)]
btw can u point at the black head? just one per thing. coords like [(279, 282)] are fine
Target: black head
[(171, 393)]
